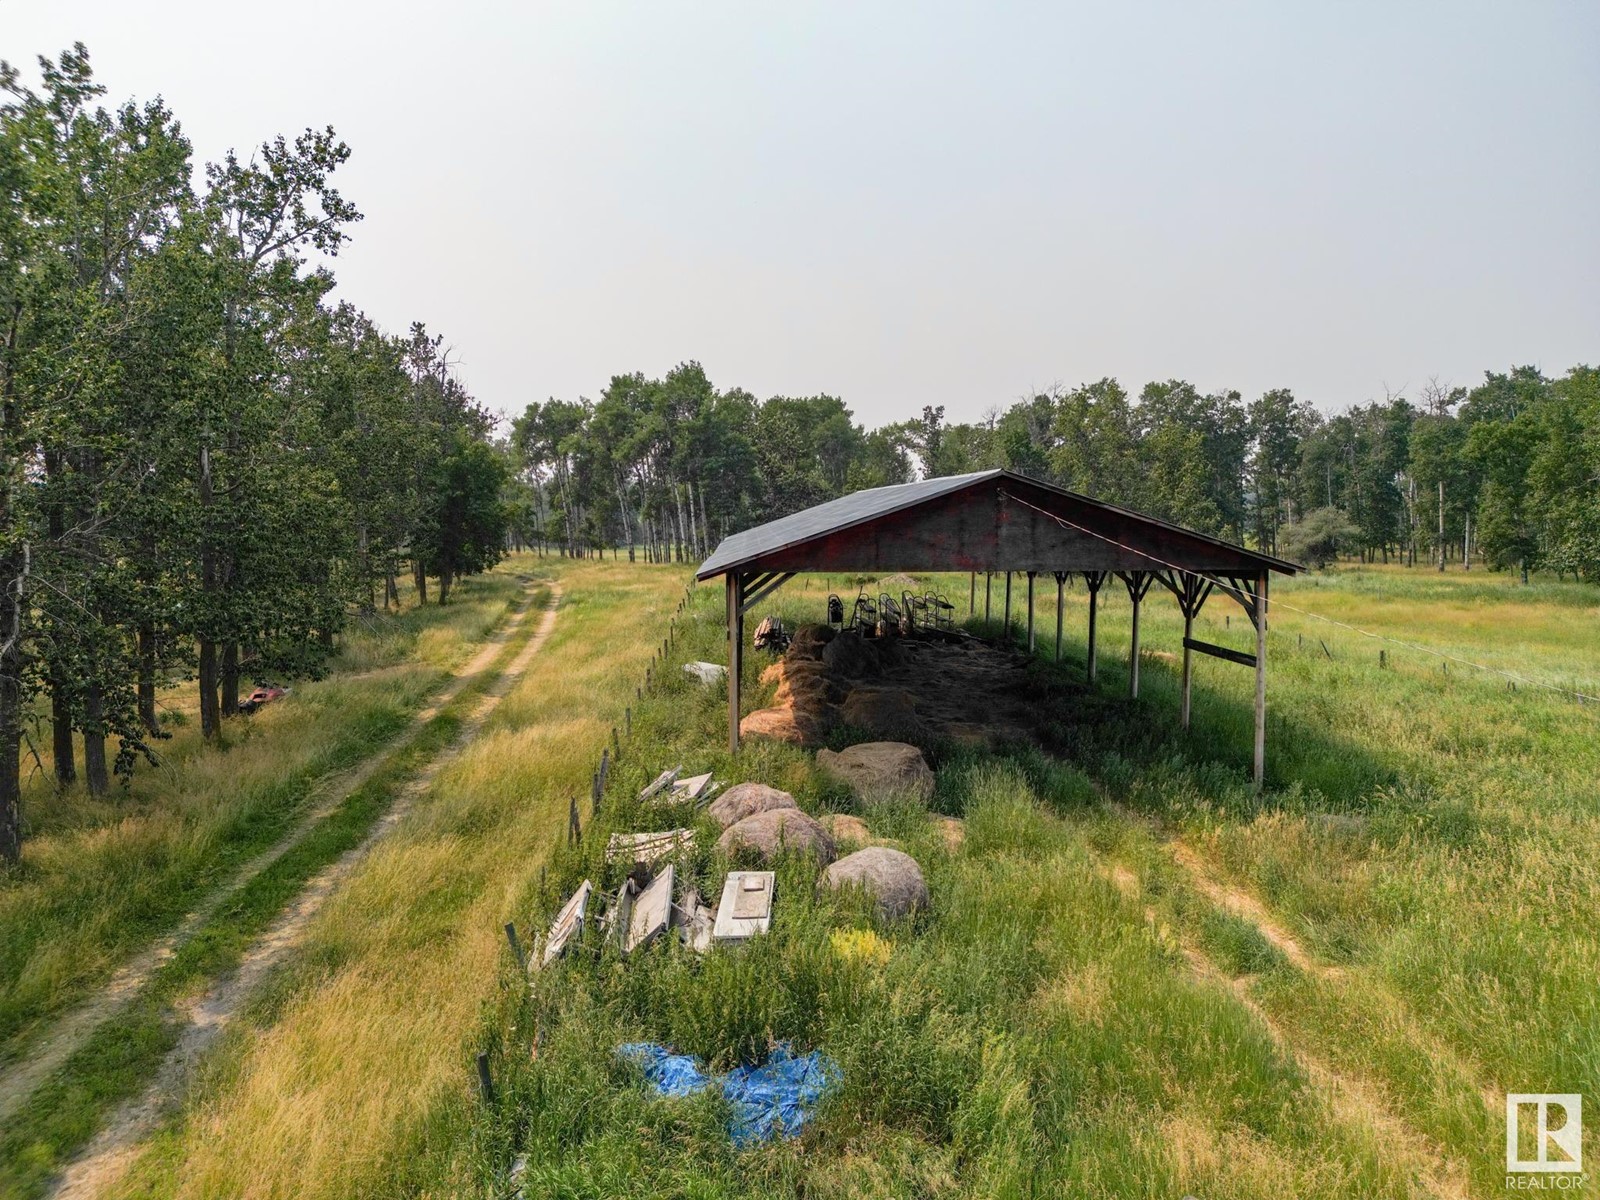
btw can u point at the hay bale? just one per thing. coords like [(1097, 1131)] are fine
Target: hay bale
[(877, 769), (746, 799), (847, 829), (768, 833), (809, 640), (852, 656), (891, 877)]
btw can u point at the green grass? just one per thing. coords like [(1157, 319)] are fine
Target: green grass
[(100, 878), (1430, 839), (1074, 1016), (123, 1054)]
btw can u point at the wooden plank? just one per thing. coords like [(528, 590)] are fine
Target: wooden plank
[(1237, 656)]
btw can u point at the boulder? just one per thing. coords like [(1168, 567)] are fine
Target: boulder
[(876, 769), (775, 830), (846, 828), (891, 877), (852, 656), (809, 640), (886, 712), (746, 799)]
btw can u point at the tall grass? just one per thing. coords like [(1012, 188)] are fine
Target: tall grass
[(100, 878), (1074, 1016)]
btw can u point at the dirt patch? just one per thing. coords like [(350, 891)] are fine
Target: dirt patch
[(115, 1147)]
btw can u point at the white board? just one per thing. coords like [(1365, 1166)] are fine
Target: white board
[(652, 912), (568, 923), (648, 847), (746, 907)]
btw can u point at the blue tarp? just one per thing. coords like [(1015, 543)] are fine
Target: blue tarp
[(774, 1099)]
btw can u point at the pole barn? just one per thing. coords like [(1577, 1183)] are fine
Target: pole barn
[(997, 521)]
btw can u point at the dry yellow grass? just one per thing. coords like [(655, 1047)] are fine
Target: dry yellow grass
[(374, 1034)]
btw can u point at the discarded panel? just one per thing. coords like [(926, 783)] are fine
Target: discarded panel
[(652, 912), (568, 922), (648, 847), (620, 914), (705, 672), (746, 907), (694, 922), (665, 779), (690, 789)]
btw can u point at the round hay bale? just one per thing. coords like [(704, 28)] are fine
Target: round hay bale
[(891, 877), (877, 769), (778, 829), (746, 799)]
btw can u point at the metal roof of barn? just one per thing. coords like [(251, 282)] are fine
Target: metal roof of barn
[(860, 508)]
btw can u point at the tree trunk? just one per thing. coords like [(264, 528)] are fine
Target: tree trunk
[(230, 679), (421, 577), (61, 730), (210, 712), (10, 760), (94, 742), (444, 585), (146, 638)]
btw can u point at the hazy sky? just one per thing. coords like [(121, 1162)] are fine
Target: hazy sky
[(924, 203)]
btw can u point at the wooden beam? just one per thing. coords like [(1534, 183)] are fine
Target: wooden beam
[(1030, 612), (735, 658), (1235, 656), (1261, 681), (1094, 581), (972, 595), (1008, 606), (988, 579), (764, 588), (1137, 583), (1061, 583)]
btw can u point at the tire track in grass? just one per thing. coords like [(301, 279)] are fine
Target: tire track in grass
[(1354, 1101), (71, 1031), (115, 1147), (1242, 904)]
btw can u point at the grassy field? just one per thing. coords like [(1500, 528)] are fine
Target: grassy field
[(1138, 977), (160, 887)]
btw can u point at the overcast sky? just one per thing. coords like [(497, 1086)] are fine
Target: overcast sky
[(924, 203)]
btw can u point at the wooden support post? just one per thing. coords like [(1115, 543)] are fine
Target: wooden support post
[(1261, 681), (735, 658), (1008, 606), (485, 1081), (1188, 633), (1133, 651), (988, 579), (972, 595), (1030, 612), (1093, 580), (1061, 583), (516, 947)]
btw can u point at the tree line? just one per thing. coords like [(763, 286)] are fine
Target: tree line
[(1505, 474), (206, 466)]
